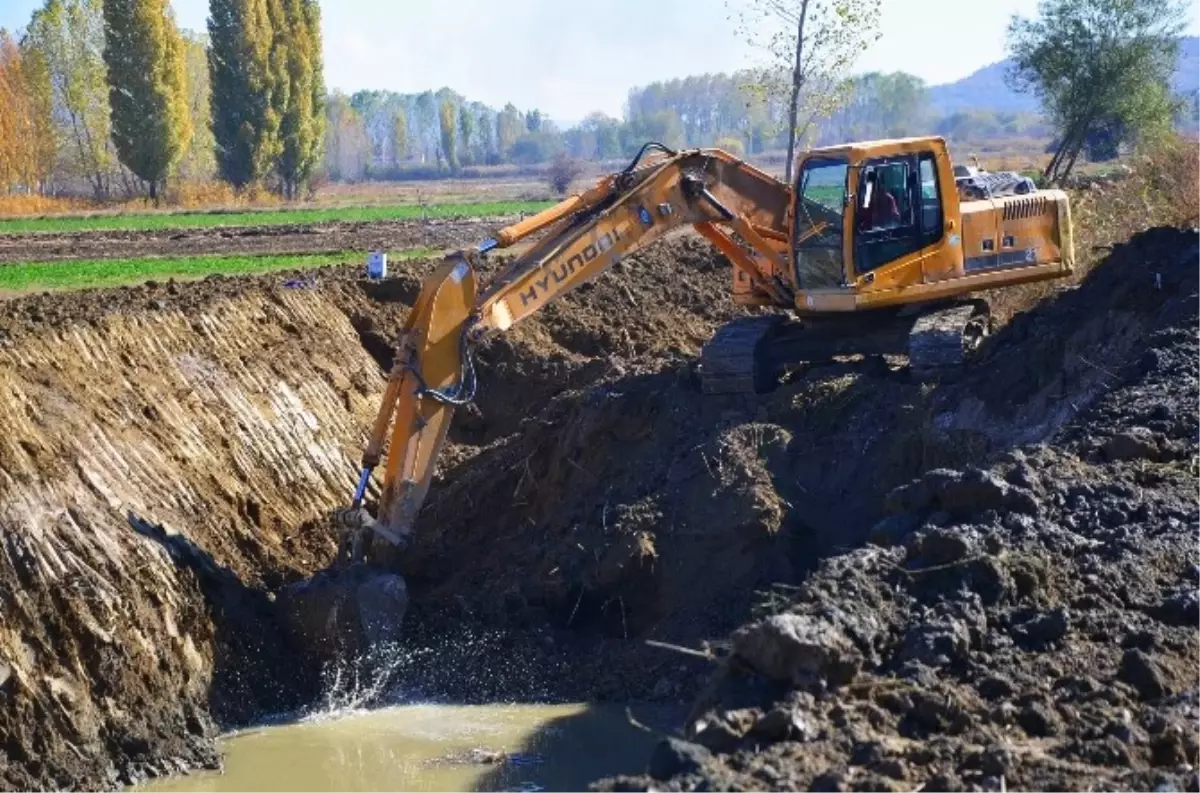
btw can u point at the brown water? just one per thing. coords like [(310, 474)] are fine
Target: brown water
[(437, 747)]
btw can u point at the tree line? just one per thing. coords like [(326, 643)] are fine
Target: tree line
[(110, 95)]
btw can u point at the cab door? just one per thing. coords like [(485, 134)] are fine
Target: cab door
[(901, 221)]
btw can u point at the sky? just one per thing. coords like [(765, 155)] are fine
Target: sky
[(571, 57)]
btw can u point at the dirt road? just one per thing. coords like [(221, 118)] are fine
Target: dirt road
[(250, 240)]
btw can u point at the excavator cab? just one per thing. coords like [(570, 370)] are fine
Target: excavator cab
[(885, 204), (881, 224)]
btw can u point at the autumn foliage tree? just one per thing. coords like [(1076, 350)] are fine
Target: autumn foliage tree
[(68, 38), (449, 134), (26, 129), (299, 92), (147, 79)]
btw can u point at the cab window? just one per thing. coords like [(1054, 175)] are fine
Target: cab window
[(820, 203), (897, 209)]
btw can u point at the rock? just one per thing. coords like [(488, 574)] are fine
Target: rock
[(1038, 720), (995, 687), (784, 724), (1136, 444), (1140, 671), (943, 781), (996, 761), (723, 731), (972, 491), (1182, 608), (829, 782), (937, 643), (673, 756), (943, 546), (1044, 629), (797, 649)]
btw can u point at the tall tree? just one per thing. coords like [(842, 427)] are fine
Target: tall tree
[(1098, 64), (399, 137), (298, 90), (26, 129), (245, 120), (68, 37), (466, 134), (198, 162), (449, 134), (811, 46), (509, 127), (347, 148), (147, 91)]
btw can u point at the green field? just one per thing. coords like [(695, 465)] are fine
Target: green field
[(192, 220), (38, 276)]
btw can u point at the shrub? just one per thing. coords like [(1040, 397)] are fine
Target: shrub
[(563, 171)]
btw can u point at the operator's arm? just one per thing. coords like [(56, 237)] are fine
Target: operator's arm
[(584, 236)]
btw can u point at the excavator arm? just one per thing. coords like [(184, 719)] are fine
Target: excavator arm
[(742, 210)]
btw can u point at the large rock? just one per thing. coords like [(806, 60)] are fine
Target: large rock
[(798, 649), (344, 613)]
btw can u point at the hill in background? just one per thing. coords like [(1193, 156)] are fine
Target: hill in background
[(986, 88)]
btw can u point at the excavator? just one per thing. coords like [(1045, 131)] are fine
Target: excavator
[(878, 248)]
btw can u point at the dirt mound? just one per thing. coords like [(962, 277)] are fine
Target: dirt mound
[(1030, 623), (329, 237)]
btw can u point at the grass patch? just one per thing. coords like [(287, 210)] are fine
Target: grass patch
[(150, 221), (88, 274)]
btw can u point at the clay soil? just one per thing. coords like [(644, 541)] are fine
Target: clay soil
[(860, 580), (334, 237)]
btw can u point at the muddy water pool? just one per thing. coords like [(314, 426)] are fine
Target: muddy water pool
[(437, 747)]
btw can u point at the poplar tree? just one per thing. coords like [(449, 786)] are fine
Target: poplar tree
[(244, 117), (299, 92), (399, 135), (449, 134), (147, 88)]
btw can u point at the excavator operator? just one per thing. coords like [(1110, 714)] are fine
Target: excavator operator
[(879, 206)]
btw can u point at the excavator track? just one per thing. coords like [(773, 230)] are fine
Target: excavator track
[(941, 340), (729, 361)]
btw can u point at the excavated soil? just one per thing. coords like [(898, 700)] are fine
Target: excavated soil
[(1028, 621), (332, 237), (995, 567)]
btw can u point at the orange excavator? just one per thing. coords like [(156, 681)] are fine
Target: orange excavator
[(877, 248)]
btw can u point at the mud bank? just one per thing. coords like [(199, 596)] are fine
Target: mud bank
[(155, 467), (1028, 621)]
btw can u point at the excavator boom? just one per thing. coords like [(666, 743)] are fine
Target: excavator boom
[(584, 236)]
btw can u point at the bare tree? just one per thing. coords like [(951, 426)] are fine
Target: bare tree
[(810, 47)]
